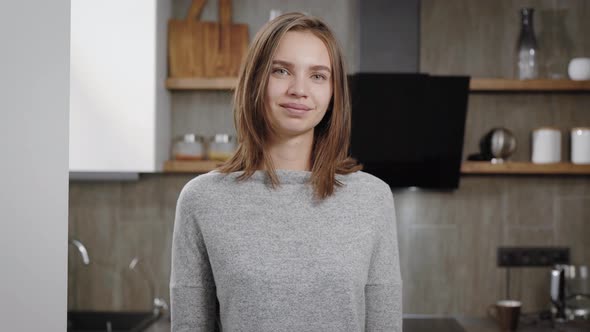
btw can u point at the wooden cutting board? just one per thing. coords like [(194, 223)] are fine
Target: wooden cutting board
[(206, 49)]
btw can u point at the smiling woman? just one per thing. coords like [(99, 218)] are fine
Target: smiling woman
[(291, 106), (313, 249), (299, 91)]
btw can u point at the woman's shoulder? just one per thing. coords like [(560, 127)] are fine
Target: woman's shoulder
[(205, 179), (206, 183), (367, 180), (365, 187)]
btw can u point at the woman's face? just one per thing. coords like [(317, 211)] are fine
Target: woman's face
[(300, 84)]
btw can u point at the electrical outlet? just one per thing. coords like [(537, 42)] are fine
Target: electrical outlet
[(532, 256)]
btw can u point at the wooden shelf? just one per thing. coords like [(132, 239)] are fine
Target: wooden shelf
[(502, 84), (475, 85), (220, 83), (523, 168), (182, 166), (467, 168)]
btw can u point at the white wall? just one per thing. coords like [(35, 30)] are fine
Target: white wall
[(34, 87)]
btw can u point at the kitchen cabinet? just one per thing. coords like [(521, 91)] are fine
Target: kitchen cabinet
[(119, 104)]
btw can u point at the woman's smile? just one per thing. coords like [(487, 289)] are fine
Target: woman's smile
[(295, 108)]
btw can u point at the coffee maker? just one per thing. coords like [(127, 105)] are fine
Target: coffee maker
[(570, 292)]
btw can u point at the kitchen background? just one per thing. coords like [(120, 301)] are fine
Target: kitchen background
[(447, 240)]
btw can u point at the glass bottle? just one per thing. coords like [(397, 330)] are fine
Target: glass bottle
[(527, 57), (556, 41)]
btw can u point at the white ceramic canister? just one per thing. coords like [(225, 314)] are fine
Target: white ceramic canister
[(579, 69), (546, 145), (580, 145)]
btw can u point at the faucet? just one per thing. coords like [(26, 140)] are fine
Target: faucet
[(82, 249), (85, 259), (158, 304)]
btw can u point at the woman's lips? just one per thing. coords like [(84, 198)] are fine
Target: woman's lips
[(295, 106)]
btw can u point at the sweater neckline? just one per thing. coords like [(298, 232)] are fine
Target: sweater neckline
[(284, 176)]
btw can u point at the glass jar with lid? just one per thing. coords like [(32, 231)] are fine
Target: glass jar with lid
[(222, 147), (188, 147)]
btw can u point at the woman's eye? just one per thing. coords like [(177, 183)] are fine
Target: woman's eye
[(280, 71), (319, 77)]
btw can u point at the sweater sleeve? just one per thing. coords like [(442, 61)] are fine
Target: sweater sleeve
[(193, 300), (383, 291)]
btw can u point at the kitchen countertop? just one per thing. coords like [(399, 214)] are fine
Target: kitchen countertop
[(161, 325), (477, 324), (444, 324)]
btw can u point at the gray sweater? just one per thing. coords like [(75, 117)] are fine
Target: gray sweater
[(250, 258)]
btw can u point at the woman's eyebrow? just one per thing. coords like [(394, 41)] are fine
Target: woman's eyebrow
[(290, 65), (321, 67)]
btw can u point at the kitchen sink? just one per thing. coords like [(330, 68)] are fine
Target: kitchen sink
[(110, 321)]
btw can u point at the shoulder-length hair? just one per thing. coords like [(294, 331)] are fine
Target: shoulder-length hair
[(254, 127)]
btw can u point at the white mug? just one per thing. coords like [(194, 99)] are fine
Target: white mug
[(579, 69), (580, 145), (546, 145)]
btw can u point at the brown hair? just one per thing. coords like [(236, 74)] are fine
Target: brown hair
[(254, 128)]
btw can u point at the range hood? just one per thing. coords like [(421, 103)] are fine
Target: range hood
[(408, 129), (407, 126)]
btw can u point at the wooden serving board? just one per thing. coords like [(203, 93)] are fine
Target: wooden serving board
[(206, 49)]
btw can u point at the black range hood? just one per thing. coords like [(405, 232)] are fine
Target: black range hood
[(407, 126), (408, 129)]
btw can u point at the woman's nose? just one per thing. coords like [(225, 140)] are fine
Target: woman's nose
[(297, 88)]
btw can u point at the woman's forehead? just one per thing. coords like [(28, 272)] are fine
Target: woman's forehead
[(302, 48)]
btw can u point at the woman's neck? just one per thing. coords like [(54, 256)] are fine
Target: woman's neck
[(292, 153)]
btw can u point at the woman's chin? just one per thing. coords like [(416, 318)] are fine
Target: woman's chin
[(293, 131)]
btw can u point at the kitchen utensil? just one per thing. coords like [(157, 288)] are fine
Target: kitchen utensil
[(579, 69), (580, 145), (546, 145), (497, 145), (577, 279), (557, 292), (570, 292), (577, 290), (206, 49), (506, 313), (578, 307)]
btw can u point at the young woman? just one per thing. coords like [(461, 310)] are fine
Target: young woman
[(289, 234)]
